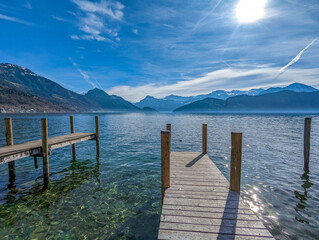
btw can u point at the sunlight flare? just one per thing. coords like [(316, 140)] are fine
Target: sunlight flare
[(249, 11)]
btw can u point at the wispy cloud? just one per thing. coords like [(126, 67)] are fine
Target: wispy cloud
[(296, 59), (85, 76), (112, 9), (60, 19), (135, 31), (13, 19), (229, 78), (96, 20), (28, 5), (74, 37)]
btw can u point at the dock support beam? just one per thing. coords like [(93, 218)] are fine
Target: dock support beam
[(307, 143), (45, 152), (235, 164), (204, 136), (165, 161), (72, 131), (9, 141), (97, 136)]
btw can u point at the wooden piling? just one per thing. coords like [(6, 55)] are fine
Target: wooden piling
[(72, 131), (9, 141), (165, 161), (35, 161), (204, 140), (307, 143), (97, 136), (169, 128), (235, 165), (45, 152)]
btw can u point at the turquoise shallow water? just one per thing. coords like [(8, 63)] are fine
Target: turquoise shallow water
[(117, 196)]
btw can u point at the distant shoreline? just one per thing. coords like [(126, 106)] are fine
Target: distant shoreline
[(173, 113)]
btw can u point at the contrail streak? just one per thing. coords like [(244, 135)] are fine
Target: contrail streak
[(209, 13), (295, 59), (85, 75)]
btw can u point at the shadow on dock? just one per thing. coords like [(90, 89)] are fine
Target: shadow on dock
[(229, 218), (195, 160)]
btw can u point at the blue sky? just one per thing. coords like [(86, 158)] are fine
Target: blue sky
[(142, 47)]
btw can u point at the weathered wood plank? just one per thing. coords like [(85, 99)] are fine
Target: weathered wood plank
[(199, 204), (191, 235), (212, 221), (202, 214), (217, 229), (207, 209)]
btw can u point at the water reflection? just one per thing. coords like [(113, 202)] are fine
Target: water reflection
[(12, 181), (75, 174), (34, 203), (121, 200), (302, 197)]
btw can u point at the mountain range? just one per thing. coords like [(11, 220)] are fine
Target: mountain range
[(282, 101), (21, 90), (172, 102)]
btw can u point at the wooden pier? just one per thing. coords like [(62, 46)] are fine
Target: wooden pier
[(43, 147), (198, 202)]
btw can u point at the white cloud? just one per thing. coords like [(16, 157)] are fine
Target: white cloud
[(112, 9), (90, 30), (296, 59), (13, 19), (96, 37), (135, 31), (228, 79), (96, 19)]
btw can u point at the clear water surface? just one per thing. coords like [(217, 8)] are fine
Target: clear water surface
[(117, 196)]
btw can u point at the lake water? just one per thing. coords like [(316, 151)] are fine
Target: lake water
[(117, 196)]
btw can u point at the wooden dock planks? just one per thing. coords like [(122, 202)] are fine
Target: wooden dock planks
[(199, 204), (31, 148)]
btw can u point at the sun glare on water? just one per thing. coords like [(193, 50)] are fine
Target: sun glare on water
[(249, 11)]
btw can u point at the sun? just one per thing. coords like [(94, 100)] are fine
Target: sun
[(249, 11)]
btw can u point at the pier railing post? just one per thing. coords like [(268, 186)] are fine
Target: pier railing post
[(72, 131), (204, 140), (165, 161), (235, 164), (45, 152), (97, 136), (9, 141), (307, 143)]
